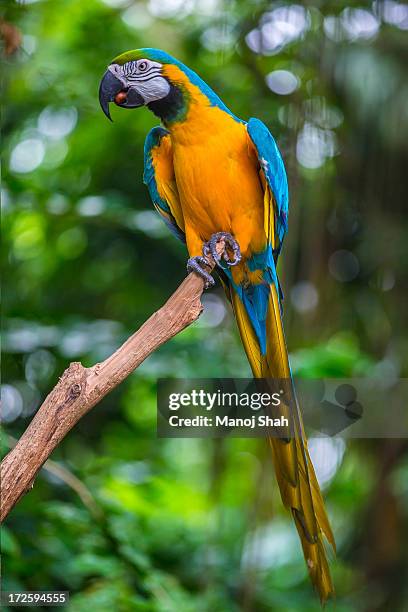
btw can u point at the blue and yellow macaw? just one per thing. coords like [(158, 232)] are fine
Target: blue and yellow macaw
[(218, 181)]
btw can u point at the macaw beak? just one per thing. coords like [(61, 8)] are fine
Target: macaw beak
[(112, 89)]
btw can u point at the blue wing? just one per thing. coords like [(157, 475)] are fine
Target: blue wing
[(275, 181), (256, 298), (159, 178)]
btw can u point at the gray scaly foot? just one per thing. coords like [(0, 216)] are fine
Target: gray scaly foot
[(196, 264), (230, 244)]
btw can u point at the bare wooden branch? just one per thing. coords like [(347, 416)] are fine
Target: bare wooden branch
[(80, 389)]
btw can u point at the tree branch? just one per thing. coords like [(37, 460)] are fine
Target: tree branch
[(79, 389)]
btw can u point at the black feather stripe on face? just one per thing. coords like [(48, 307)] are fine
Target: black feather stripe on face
[(171, 108), (143, 77), (132, 71)]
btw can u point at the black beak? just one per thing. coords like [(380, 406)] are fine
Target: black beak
[(110, 87)]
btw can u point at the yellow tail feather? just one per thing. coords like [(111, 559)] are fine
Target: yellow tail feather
[(295, 474)]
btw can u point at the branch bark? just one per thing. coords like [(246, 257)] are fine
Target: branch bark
[(79, 389)]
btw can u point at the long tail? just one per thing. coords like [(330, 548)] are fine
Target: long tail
[(295, 474)]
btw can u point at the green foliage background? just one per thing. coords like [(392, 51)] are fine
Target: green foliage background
[(169, 525)]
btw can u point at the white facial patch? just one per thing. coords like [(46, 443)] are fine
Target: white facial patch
[(154, 89), (145, 77)]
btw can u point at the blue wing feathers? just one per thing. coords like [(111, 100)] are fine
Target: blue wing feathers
[(273, 168), (153, 140), (149, 177), (256, 297)]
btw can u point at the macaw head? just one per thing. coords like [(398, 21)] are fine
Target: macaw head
[(153, 78)]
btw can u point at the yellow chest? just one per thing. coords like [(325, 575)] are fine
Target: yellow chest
[(217, 178)]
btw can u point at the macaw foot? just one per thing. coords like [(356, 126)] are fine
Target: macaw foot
[(229, 245), (197, 264)]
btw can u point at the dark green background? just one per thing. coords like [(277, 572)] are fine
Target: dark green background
[(169, 525)]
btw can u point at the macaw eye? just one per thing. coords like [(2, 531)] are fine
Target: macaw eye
[(142, 66)]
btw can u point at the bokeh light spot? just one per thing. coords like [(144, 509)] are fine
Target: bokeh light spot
[(58, 204), (278, 28), (29, 44), (28, 234), (344, 266), (170, 8), (72, 242), (39, 366), (136, 16), (91, 206), (214, 311), (27, 155), (116, 3), (304, 297), (314, 145), (359, 23), (282, 82), (148, 222), (55, 123), (327, 455), (395, 13), (11, 403)]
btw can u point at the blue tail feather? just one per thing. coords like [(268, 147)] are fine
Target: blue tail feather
[(255, 297)]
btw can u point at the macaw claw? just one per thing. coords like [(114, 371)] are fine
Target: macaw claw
[(197, 264), (230, 245)]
